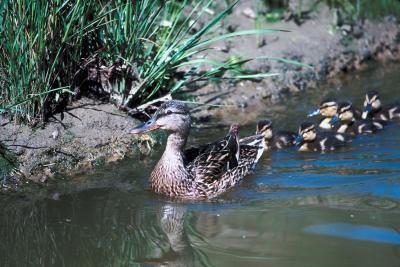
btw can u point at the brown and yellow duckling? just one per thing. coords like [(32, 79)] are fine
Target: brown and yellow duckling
[(328, 109), (197, 173), (344, 121), (373, 108), (274, 140), (309, 140)]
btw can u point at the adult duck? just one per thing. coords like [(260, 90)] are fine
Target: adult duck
[(202, 172)]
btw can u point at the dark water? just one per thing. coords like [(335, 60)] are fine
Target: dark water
[(333, 209)]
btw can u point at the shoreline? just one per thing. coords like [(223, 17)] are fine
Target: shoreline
[(91, 133)]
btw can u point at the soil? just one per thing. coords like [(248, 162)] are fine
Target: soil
[(88, 134), (332, 51), (91, 133)]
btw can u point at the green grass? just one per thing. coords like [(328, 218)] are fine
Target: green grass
[(46, 43), (351, 10), (377, 9), (356, 9), (42, 42)]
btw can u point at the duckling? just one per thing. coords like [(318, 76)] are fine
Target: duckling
[(309, 140), (198, 173), (328, 109), (274, 140), (373, 108), (345, 122)]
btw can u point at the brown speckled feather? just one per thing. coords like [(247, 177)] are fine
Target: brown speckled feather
[(203, 172)]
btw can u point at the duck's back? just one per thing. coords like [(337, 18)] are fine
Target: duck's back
[(216, 167)]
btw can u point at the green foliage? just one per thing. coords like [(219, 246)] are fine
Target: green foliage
[(276, 9), (376, 9), (160, 44), (41, 43), (355, 9), (349, 10), (44, 42)]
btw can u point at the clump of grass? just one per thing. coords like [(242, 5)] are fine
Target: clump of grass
[(133, 51), (158, 52), (41, 43)]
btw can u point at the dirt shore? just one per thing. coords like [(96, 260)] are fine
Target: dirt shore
[(91, 133), (332, 51)]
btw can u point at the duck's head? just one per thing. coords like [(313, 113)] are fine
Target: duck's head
[(345, 113), (327, 108), (371, 103), (264, 127), (172, 116), (307, 133)]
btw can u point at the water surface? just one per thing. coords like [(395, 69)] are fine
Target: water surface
[(333, 209)]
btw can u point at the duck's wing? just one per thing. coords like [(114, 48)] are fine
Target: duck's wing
[(192, 153), (251, 140), (248, 158), (214, 160)]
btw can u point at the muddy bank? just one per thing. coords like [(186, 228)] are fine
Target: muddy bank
[(92, 133), (331, 50), (88, 134)]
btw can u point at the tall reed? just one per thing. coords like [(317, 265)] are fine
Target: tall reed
[(45, 42)]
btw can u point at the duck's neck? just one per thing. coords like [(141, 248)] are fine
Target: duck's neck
[(170, 171), (176, 142)]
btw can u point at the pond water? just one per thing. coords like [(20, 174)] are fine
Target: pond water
[(297, 209)]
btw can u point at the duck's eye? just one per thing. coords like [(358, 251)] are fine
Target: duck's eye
[(169, 112)]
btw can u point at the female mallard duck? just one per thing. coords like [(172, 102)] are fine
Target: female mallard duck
[(373, 108), (308, 140), (344, 121), (274, 140), (197, 173)]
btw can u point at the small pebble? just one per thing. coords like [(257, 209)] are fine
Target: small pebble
[(248, 12), (55, 134)]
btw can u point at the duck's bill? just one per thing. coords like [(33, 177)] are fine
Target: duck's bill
[(314, 113), (298, 140), (148, 126), (334, 120), (366, 111)]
